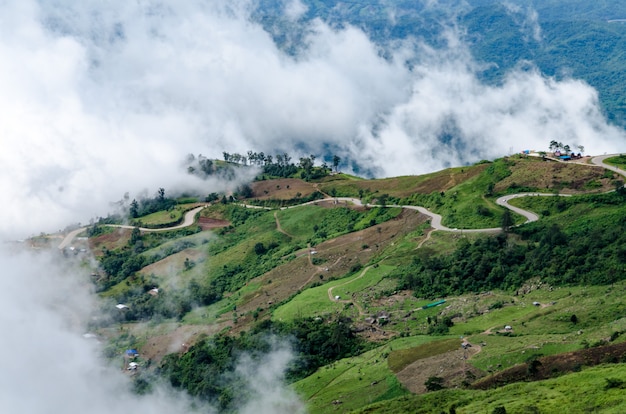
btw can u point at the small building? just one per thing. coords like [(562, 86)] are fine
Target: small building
[(121, 306), (536, 304), (131, 353), (153, 291), (508, 328), (132, 366), (432, 305)]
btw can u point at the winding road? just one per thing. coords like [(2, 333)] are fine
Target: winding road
[(189, 219), (435, 219)]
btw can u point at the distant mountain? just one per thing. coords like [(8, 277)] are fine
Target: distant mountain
[(579, 39)]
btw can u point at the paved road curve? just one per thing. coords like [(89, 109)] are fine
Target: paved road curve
[(189, 219), (435, 219)]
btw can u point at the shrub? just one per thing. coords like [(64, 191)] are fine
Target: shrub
[(434, 383), (613, 383)]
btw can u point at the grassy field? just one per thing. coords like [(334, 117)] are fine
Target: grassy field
[(619, 161), (538, 330), (401, 187), (366, 378), (161, 218), (597, 390), (293, 263)]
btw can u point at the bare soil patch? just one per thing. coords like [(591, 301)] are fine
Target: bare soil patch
[(173, 264), (549, 366), (452, 366), (114, 240), (425, 184), (336, 258), (166, 338), (207, 223), (282, 189), (550, 175)]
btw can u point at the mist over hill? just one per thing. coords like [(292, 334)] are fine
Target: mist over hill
[(102, 101), (105, 99)]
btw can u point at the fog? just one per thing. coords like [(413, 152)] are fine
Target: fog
[(104, 98), (100, 99), (48, 366)]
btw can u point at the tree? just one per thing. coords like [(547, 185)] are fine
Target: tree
[(574, 319), (206, 165), (581, 148), (134, 209), (244, 191), (189, 264), (553, 145), (507, 220), (259, 249), (434, 383), (567, 149), (306, 164), (135, 236), (161, 194), (336, 161), (382, 199)]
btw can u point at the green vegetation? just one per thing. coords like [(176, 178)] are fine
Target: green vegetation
[(400, 359), (161, 218), (619, 161), (581, 392), (356, 316), (208, 371)]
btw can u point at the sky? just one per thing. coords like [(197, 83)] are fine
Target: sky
[(101, 99)]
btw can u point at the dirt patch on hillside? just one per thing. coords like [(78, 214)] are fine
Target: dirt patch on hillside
[(177, 341), (424, 184), (333, 258), (207, 223), (550, 175), (452, 366), (114, 240), (548, 367), (281, 189), (173, 264)]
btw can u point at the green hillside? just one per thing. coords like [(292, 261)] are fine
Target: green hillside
[(374, 301)]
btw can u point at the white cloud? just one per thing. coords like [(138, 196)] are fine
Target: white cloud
[(103, 98), (100, 99), (295, 9), (526, 111), (49, 367), (527, 18)]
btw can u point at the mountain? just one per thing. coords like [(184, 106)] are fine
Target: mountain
[(564, 39), (397, 240), (377, 299)]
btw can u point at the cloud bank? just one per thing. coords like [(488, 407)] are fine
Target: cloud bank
[(49, 367), (100, 99)]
